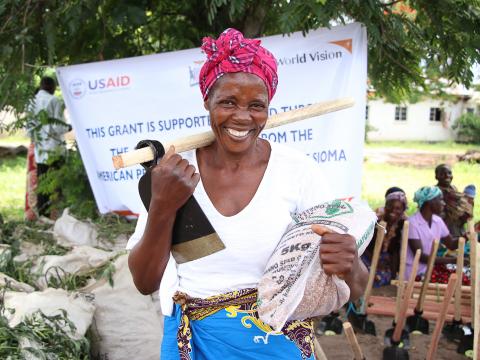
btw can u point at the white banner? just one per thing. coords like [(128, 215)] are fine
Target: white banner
[(114, 104)]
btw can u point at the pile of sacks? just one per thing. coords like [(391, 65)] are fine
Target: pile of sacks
[(123, 323)]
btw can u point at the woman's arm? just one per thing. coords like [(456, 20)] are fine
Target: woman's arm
[(173, 182), (415, 244), (450, 242)]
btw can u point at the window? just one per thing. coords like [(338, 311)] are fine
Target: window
[(435, 114), (366, 112), (470, 110), (401, 113)]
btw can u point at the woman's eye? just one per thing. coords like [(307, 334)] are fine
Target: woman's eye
[(227, 102), (258, 106)]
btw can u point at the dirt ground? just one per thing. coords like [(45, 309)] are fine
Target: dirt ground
[(413, 157), (337, 347)]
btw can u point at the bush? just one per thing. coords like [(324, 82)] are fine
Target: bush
[(468, 128), (68, 174)]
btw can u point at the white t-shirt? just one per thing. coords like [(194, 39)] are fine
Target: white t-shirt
[(292, 183), (49, 136)]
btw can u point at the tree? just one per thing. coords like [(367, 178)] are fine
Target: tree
[(408, 40)]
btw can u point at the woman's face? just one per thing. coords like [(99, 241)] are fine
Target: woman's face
[(437, 205), (394, 209), (238, 106)]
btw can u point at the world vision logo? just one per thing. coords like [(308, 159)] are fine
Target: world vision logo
[(346, 44), (319, 56), (194, 71)]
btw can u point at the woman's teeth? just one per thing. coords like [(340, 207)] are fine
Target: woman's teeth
[(237, 133)]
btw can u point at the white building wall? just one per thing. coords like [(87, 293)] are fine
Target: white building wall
[(381, 116)]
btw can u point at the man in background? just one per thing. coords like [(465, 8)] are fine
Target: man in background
[(458, 208), (46, 129)]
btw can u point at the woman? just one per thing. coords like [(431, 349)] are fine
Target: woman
[(425, 226), (248, 188), (394, 216)]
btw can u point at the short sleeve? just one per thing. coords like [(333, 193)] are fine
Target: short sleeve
[(139, 230)]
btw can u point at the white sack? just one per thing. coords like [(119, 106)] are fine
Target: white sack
[(79, 261), (294, 285), (69, 231), (78, 306), (14, 284), (127, 325)]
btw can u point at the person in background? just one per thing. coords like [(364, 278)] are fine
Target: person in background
[(393, 213), (46, 130), (470, 192), (458, 209), (425, 226)]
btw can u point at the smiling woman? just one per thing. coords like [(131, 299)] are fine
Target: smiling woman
[(249, 189)]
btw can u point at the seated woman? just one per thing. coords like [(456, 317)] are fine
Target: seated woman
[(425, 226), (393, 213), (248, 188)]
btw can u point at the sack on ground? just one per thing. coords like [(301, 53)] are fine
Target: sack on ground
[(294, 285), (126, 324)]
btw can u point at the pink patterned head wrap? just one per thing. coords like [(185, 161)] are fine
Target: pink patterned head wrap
[(232, 53)]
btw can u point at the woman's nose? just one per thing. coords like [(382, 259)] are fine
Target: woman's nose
[(242, 114)]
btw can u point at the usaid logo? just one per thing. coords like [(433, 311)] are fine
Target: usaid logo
[(77, 88), (110, 83)]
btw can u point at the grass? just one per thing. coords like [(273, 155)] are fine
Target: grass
[(378, 177), (13, 172), (445, 147)]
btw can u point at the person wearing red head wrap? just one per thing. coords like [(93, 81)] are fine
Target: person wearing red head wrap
[(232, 53), (248, 188)]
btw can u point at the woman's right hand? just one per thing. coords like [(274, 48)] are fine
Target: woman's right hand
[(173, 182)]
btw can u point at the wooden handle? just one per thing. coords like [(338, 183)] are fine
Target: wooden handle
[(352, 339), (473, 269), (203, 139), (436, 287), (432, 349), (401, 270), (373, 265), (428, 274), (476, 312), (397, 332), (458, 289), (317, 349)]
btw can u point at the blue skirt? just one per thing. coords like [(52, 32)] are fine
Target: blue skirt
[(234, 334)]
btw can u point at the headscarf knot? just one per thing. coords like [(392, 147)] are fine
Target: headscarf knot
[(232, 53)]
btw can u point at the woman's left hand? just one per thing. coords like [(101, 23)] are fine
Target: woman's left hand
[(339, 256), (338, 252)]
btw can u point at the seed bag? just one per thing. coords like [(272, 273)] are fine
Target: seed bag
[(294, 286)]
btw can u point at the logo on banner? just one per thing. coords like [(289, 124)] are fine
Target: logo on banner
[(319, 55), (77, 88), (194, 71), (346, 44)]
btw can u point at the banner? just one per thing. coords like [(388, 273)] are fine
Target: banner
[(114, 104)]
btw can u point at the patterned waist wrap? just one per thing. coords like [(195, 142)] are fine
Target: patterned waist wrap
[(243, 303)]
